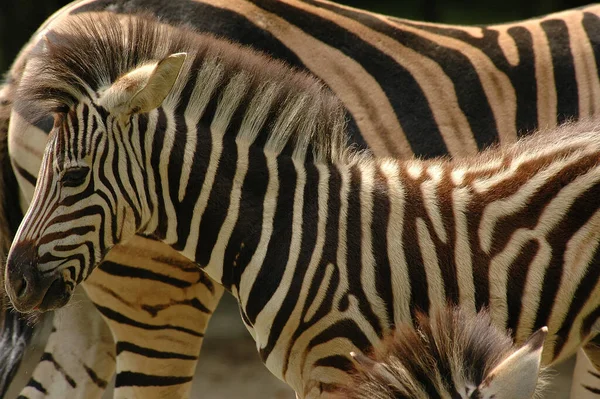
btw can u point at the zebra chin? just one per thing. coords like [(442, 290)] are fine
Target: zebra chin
[(28, 288)]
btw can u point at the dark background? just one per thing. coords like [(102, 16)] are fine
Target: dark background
[(20, 18)]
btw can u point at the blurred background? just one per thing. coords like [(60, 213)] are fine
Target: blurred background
[(20, 18)]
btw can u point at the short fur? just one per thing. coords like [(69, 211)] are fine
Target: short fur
[(58, 74)]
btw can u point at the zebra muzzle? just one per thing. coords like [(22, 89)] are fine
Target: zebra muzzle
[(28, 288)]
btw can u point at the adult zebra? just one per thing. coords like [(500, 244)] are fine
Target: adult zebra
[(243, 150), (428, 59)]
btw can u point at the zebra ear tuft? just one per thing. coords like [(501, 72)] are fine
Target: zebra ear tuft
[(144, 88), (516, 377)]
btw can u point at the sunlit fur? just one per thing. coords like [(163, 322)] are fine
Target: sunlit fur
[(242, 205), (446, 356), (378, 125)]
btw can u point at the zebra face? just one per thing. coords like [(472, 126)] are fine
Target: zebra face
[(90, 194), (77, 213)]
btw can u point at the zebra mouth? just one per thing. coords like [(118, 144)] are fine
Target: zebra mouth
[(57, 296)]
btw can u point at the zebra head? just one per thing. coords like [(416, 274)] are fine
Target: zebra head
[(450, 355), (87, 199)]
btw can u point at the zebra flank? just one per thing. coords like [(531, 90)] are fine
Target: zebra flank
[(450, 355), (241, 165)]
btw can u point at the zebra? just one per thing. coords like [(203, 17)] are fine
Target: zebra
[(278, 160), (448, 354), (280, 29)]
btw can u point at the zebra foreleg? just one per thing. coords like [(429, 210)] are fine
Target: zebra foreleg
[(79, 357), (586, 375), (157, 305)]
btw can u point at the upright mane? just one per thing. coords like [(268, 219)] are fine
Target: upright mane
[(448, 353), (83, 56)]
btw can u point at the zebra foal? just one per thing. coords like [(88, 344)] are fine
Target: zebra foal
[(228, 157), (451, 352)]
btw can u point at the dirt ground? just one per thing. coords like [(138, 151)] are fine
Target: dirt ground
[(230, 368)]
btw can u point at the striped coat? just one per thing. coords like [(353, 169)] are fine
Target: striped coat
[(359, 48)]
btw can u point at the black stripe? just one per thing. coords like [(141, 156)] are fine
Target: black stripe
[(567, 93), (515, 283), (123, 346), (580, 212), (522, 76), (591, 26), (249, 223), (120, 270), (354, 260), (45, 124), (119, 318), (25, 174), (85, 115), (142, 125), (346, 328), (121, 155), (132, 379), (200, 162), (591, 389), (155, 160), (278, 249), (379, 242), (194, 303), (33, 383), (581, 296), (309, 238), (524, 81), (204, 18), (208, 18), (101, 383), (397, 83), (425, 140), (328, 257), (127, 158), (218, 202), (446, 251), (336, 361), (419, 293), (48, 357)]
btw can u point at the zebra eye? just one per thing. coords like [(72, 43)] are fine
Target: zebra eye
[(74, 177)]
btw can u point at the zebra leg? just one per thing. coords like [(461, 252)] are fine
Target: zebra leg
[(157, 305), (586, 375), (79, 357)]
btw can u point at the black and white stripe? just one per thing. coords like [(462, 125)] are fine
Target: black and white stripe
[(556, 53), (277, 247)]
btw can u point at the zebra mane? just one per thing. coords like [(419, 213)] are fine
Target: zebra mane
[(82, 56), (449, 352)]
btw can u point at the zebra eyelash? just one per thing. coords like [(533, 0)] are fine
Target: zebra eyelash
[(74, 176)]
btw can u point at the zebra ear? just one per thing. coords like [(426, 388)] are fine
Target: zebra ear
[(516, 377), (144, 88)]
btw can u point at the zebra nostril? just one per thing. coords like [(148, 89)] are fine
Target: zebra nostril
[(21, 287)]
